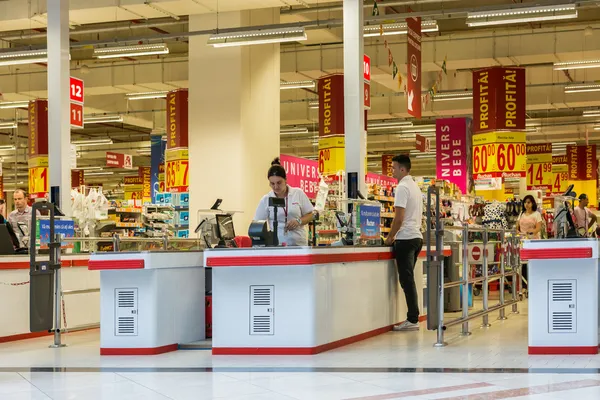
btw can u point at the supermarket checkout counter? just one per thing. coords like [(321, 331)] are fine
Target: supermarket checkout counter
[(303, 300), (563, 286), (150, 302)]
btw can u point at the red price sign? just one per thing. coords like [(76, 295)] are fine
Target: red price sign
[(76, 115), (177, 176), (76, 90), (367, 92), (539, 176), (367, 68)]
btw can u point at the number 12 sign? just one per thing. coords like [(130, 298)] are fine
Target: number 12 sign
[(76, 97)]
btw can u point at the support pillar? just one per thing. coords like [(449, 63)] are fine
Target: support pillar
[(354, 111), (59, 130), (233, 117)]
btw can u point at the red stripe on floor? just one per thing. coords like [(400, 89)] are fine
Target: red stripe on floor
[(542, 389), (423, 392)]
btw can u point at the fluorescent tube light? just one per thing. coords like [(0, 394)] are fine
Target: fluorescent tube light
[(23, 57), (389, 125), (597, 127), (420, 129), (576, 65), (591, 113), (92, 142), (398, 29), (263, 36), (313, 104), (90, 168), (102, 119), (7, 147), (428, 156), (293, 131), (297, 85), (453, 96), (522, 15), (99, 173), (582, 88), (14, 104), (131, 51), (147, 95), (8, 125)]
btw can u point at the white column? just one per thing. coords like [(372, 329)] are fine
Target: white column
[(233, 117), (59, 130), (354, 117)]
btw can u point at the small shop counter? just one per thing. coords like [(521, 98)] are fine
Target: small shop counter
[(563, 285), (302, 300), (81, 310), (150, 301)]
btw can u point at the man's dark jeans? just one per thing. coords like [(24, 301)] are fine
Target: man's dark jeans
[(407, 252)]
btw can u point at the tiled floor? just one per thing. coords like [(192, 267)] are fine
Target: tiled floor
[(490, 364)]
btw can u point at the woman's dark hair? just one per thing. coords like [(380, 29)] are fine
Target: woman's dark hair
[(276, 169), (533, 202)]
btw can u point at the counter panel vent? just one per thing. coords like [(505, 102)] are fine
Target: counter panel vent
[(562, 306), (262, 310), (126, 315)]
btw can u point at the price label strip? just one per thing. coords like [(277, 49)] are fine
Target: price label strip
[(499, 155), (539, 167)]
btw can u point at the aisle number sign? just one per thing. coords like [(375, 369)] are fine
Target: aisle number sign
[(499, 155), (177, 170), (539, 167), (76, 101), (38, 177), (560, 175), (332, 155)]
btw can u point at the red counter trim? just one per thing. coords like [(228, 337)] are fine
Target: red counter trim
[(34, 335), (562, 350), (149, 351), (103, 265), (7, 265), (305, 259), (554, 254)]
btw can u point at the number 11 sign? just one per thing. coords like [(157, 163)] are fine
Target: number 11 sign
[(76, 98)]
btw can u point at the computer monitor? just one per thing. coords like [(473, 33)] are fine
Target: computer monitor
[(225, 228)]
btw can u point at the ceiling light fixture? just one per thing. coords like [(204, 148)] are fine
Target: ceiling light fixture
[(131, 51), (420, 129), (8, 125), (582, 88), (90, 168), (398, 29), (147, 95), (102, 119), (522, 15), (389, 125), (313, 104), (7, 147), (23, 57), (262, 36), (14, 104), (453, 96), (297, 85), (293, 131), (99, 173), (561, 66), (92, 142), (591, 113)]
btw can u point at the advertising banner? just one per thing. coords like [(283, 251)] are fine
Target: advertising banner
[(414, 67), (370, 221), (177, 119), (133, 187), (332, 158), (583, 165), (499, 99), (331, 105), (64, 227), (38, 149), (453, 152), (423, 144), (119, 160), (380, 180), (560, 174), (157, 159), (302, 173), (499, 155), (539, 167), (147, 185), (77, 178), (177, 170), (386, 164)]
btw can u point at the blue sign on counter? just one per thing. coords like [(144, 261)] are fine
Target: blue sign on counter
[(64, 227), (370, 222)]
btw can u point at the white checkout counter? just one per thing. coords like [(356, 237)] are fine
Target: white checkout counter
[(302, 300), (150, 302), (563, 295)]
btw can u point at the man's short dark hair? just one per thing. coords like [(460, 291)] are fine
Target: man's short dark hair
[(403, 160)]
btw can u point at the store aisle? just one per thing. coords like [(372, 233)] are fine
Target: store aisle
[(490, 364)]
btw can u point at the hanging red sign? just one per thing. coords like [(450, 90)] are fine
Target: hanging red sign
[(414, 66)]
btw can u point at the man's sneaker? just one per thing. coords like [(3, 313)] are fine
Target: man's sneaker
[(406, 326)]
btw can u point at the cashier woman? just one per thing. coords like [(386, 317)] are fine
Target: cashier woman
[(292, 218)]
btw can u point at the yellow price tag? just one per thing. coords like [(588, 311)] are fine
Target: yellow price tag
[(539, 176), (560, 178), (497, 160), (38, 182), (177, 176), (332, 160)]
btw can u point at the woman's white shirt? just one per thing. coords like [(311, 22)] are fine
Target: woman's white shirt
[(298, 205)]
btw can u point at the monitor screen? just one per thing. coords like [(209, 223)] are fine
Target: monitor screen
[(225, 226)]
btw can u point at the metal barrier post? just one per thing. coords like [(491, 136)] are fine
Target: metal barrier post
[(503, 248), (466, 278), (55, 248), (166, 243), (486, 283), (516, 271), (116, 243)]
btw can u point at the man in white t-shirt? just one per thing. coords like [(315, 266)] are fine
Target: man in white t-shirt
[(584, 217), (406, 236)]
